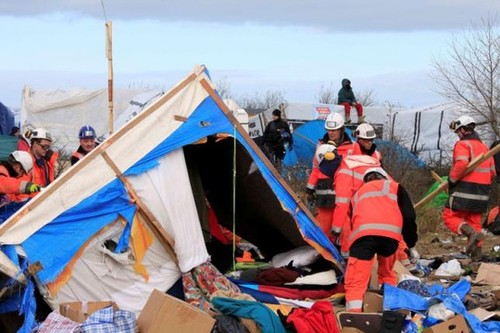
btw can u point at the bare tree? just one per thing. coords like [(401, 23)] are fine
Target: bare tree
[(271, 98), (366, 97), (327, 94), (470, 76), (224, 88)]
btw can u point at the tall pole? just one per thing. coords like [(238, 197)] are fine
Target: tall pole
[(109, 56)]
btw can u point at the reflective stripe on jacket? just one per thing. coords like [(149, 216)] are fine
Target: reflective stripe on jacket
[(471, 192), (375, 211), (348, 180)]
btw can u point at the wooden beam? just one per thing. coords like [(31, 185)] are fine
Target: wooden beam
[(471, 166), (166, 240)]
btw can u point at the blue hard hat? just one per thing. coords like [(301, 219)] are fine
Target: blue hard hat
[(87, 132)]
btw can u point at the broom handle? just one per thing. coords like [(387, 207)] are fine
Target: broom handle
[(471, 166)]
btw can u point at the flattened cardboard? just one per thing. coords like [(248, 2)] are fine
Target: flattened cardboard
[(373, 302), (164, 313), (80, 311), (483, 314), (488, 274), (456, 324)]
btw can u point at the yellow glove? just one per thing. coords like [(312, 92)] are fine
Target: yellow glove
[(32, 188)]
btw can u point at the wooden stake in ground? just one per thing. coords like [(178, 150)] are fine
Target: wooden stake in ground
[(471, 166), (109, 56)]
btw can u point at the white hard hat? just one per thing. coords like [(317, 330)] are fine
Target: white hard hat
[(365, 131), (334, 121), (378, 170), (461, 122), (24, 158), (325, 151), (40, 133)]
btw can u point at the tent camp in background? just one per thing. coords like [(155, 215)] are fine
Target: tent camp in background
[(128, 217), (64, 112)]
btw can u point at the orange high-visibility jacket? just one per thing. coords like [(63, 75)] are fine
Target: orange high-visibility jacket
[(11, 185), (375, 211), (348, 180), (44, 170), (471, 192)]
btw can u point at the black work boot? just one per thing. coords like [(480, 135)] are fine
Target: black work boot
[(473, 238)]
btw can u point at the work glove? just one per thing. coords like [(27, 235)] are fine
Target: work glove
[(31, 188), (414, 255)]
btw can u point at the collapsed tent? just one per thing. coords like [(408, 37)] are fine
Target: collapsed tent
[(127, 218)]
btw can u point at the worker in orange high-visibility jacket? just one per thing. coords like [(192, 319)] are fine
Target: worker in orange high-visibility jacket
[(15, 177), (381, 215), (44, 159), (365, 134), (348, 179), (468, 195), (320, 185)]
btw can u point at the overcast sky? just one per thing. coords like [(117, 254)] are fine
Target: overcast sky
[(256, 46)]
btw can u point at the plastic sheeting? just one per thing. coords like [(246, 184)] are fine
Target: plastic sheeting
[(452, 298)]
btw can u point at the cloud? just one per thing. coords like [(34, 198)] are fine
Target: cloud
[(354, 15)]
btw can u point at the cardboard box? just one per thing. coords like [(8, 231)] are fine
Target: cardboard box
[(164, 313), (456, 324), (80, 311), (373, 302)]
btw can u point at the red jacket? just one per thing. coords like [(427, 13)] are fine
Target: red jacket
[(375, 211), (470, 193)]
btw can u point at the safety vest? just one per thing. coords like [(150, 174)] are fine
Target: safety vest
[(348, 180), (375, 211), (471, 192), (78, 155), (356, 150)]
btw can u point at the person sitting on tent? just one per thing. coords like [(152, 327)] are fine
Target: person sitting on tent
[(15, 176), (347, 99), (381, 214), (469, 194), (319, 187), (276, 135), (43, 157), (87, 137), (365, 134)]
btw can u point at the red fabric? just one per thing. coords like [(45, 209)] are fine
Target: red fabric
[(215, 228), (376, 211), (492, 215), (10, 185), (298, 294), (319, 318), (345, 148), (23, 145), (324, 219), (276, 276), (454, 219), (347, 108)]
